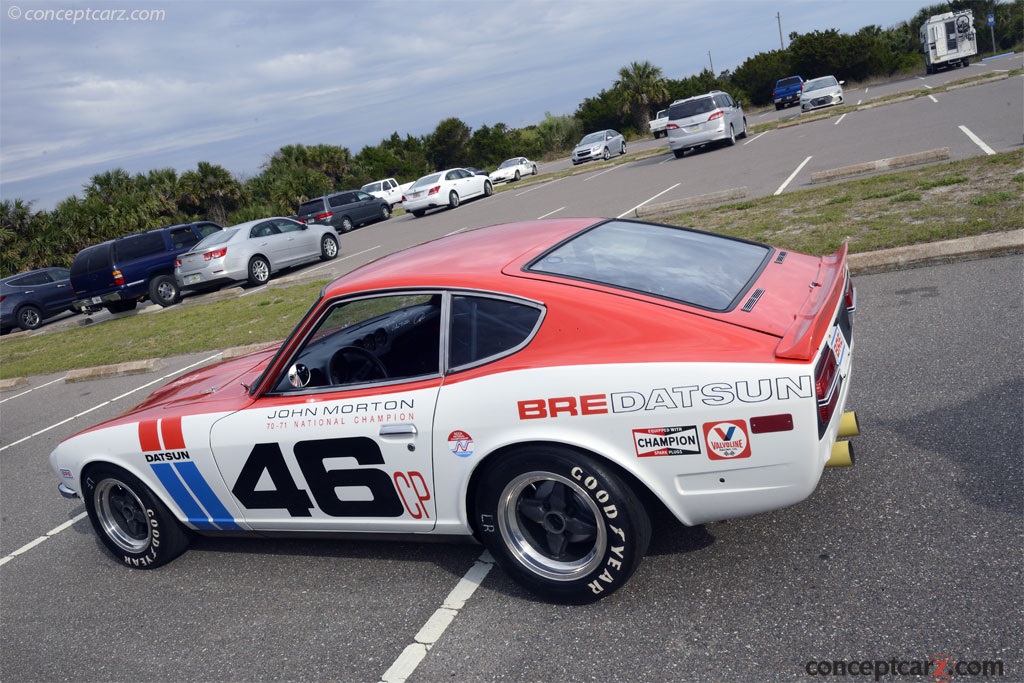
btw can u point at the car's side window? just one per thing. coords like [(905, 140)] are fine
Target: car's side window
[(374, 339), (183, 237), (484, 327), (207, 229), (287, 226), (263, 230)]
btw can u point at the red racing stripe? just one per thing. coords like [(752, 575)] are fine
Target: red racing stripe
[(149, 438), (170, 428)]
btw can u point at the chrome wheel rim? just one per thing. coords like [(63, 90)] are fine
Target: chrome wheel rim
[(330, 248), (261, 271), (122, 516), (552, 526)]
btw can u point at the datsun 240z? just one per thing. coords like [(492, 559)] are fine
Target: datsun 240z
[(541, 386)]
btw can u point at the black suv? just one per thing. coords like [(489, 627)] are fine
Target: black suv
[(345, 210), (117, 274)]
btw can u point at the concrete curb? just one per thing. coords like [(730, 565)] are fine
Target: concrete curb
[(691, 202), (881, 165), (133, 367), (13, 383)]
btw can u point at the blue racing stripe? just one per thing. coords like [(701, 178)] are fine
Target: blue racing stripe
[(195, 515), (207, 498)]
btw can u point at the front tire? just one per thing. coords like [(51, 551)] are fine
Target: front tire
[(29, 318), (744, 133), (163, 290), (130, 521), (561, 523), (679, 153), (731, 140), (328, 248), (453, 199), (606, 155), (259, 271), (488, 188), (385, 212), (623, 150), (122, 306)]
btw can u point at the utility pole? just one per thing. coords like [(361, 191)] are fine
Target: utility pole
[(778, 18), (711, 63)]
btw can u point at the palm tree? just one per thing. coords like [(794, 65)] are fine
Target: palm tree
[(641, 87), (210, 188)]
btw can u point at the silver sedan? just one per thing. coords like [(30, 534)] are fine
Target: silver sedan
[(821, 92), (252, 251), (600, 145)]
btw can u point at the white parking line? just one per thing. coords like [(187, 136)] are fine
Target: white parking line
[(105, 403), (49, 534), (791, 176), (551, 212), (927, 86), (438, 622), (648, 200), (756, 137), (607, 170), (932, 98), (858, 102), (976, 140), (839, 119), (539, 186), (29, 391)]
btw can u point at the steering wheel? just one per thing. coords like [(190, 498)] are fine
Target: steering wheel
[(352, 364)]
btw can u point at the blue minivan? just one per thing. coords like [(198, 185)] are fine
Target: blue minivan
[(119, 273)]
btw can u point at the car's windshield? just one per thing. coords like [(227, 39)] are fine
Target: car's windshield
[(710, 271), (592, 138), (509, 162), (426, 180), (819, 83), (792, 80)]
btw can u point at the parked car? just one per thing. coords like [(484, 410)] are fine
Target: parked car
[(119, 273), (704, 119), (253, 251), (513, 169), (658, 124), (445, 188), (474, 170), (387, 189), (603, 144), (787, 91), (821, 92), (345, 210), (27, 299), (445, 390)]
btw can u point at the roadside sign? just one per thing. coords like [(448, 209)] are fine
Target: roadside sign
[(991, 20)]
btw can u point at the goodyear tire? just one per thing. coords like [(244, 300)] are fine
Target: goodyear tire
[(163, 290), (131, 522), (328, 248), (561, 523)]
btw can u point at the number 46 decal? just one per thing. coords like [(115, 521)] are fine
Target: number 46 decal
[(392, 497)]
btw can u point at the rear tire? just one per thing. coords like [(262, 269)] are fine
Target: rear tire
[(259, 271), (560, 522), (131, 522), (29, 317), (163, 290)]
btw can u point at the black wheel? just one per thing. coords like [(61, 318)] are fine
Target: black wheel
[(453, 199), (121, 306), (346, 224), (623, 150), (29, 317), (133, 523), (488, 188), (259, 271), (517, 175), (328, 248), (606, 155), (163, 290), (731, 140), (354, 364), (744, 133), (385, 212), (679, 153), (418, 213), (576, 163), (535, 169), (778, 107), (561, 523)]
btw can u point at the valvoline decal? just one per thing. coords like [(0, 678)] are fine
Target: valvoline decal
[(727, 440)]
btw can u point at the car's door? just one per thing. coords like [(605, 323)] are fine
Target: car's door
[(342, 439), (303, 243), (57, 294), (266, 239), (365, 206)]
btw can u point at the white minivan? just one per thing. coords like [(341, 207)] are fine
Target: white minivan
[(701, 120)]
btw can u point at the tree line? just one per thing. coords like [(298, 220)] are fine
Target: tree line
[(116, 203)]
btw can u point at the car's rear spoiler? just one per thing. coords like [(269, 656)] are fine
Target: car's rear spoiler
[(803, 337)]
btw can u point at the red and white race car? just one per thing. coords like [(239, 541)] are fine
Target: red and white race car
[(538, 385)]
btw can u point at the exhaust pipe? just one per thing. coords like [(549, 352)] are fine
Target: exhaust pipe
[(842, 454), (848, 425)]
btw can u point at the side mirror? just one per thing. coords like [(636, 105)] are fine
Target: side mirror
[(298, 376), (842, 82)]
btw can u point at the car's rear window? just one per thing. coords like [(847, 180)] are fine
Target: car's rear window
[(139, 246), (792, 80), (311, 207), (696, 268), (427, 180), (684, 110), (91, 259)]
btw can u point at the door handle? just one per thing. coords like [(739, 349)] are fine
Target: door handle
[(398, 430)]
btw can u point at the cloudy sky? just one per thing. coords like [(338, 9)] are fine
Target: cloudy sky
[(232, 81)]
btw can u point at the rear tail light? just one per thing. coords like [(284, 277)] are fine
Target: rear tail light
[(673, 126), (177, 263), (716, 115), (118, 278), (216, 253), (434, 190), (826, 386), (2, 297), (850, 296), (323, 216)]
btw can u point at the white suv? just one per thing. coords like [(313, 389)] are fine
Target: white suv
[(701, 120)]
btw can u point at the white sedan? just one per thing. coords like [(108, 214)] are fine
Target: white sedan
[(445, 188), (513, 169), (821, 92)]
